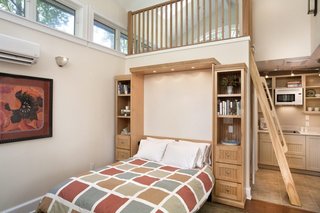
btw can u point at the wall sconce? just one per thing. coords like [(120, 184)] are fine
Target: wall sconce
[(61, 61), (313, 7)]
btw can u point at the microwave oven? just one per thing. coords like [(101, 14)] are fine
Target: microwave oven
[(288, 96)]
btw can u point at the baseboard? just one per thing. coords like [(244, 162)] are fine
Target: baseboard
[(248, 193), (29, 206)]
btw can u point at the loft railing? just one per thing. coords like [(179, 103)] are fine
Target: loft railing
[(179, 23)]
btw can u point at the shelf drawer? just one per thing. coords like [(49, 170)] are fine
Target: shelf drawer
[(228, 172), (229, 154), (123, 142), (229, 190), (122, 154)]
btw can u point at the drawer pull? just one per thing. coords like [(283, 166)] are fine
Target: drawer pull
[(228, 172)]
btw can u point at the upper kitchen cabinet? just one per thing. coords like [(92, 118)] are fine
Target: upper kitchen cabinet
[(312, 94)]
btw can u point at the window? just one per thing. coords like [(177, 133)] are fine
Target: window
[(103, 34), (56, 15), (123, 43), (13, 6)]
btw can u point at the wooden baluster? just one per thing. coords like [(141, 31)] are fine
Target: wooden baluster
[(176, 17), (157, 26), (217, 17), (204, 19), (181, 23), (171, 25), (134, 49), (198, 11), (222, 15), (210, 20), (143, 31), (152, 29), (229, 17), (246, 7), (187, 29), (237, 18), (166, 27), (192, 21), (161, 29), (148, 30), (139, 32)]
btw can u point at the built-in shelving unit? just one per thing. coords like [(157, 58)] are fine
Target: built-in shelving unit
[(312, 94), (123, 118), (229, 136)]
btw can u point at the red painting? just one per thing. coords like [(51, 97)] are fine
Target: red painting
[(25, 108)]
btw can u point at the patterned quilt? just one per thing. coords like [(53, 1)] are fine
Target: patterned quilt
[(132, 186)]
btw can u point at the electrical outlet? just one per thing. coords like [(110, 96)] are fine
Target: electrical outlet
[(307, 117)]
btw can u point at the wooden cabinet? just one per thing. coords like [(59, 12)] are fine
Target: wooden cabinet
[(313, 156), (123, 118), (229, 135), (296, 155), (312, 94)]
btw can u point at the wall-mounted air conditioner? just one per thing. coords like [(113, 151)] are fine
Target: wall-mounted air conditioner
[(14, 50)]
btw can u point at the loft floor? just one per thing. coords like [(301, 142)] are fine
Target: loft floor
[(269, 187)]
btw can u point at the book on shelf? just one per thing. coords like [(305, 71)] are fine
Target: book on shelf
[(229, 107), (123, 88)]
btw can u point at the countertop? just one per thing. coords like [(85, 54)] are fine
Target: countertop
[(309, 133)]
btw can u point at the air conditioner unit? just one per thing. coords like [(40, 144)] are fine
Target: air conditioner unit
[(18, 51)]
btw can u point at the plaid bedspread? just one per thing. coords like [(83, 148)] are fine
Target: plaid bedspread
[(132, 186)]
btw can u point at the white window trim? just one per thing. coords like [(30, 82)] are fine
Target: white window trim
[(94, 15)]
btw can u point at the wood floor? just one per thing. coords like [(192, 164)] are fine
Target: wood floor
[(252, 206)]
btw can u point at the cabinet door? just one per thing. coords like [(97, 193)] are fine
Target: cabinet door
[(296, 144), (313, 156), (266, 153)]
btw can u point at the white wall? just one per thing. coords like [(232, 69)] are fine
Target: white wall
[(83, 118), (190, 116), (281, 29), (315, 29)]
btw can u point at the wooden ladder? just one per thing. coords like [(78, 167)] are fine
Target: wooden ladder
[(276, 135)]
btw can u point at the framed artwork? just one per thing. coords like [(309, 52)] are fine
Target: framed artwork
[(25, 108)]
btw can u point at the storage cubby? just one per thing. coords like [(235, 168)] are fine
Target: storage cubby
[(289, 81), (312, 94)]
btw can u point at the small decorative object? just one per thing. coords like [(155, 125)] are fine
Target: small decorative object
[(310, 93), (25, 108), (310, 109), (125, 131), (125, 111), (230, 81), (317, 109)]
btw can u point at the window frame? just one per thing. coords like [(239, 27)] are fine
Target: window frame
[(24, 12), (106, 28)]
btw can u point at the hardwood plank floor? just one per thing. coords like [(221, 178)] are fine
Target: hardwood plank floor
[(252, 206)]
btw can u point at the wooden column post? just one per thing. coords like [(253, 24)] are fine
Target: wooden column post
[(246, 20), (130, 33)]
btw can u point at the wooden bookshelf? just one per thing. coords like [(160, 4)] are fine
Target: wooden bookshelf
[(229, 136)]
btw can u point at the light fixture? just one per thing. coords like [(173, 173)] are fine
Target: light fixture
[(192, 67), (292, 73), (154, 71), (313, 7), (266, 76), (61, 61), (172, 69)]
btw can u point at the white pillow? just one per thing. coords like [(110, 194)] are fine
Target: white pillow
[(160, 139), (181, 156), (151, 150), (204, 152)]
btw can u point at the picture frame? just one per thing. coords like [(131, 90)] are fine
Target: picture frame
[(25, 107)]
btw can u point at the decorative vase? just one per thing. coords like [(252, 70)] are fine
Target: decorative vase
[(229, 89)]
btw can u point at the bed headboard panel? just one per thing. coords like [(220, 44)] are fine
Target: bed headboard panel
[(177, 139)]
